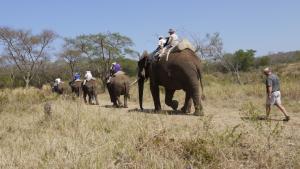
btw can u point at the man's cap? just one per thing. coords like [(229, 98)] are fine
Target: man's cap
[(171, 30)]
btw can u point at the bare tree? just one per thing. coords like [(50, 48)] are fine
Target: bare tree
[(25, 50), (211, 48), (71, 54)]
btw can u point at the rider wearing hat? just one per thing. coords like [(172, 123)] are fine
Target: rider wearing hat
[(173, 39)]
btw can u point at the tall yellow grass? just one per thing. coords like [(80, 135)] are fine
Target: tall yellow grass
[(87, 136)]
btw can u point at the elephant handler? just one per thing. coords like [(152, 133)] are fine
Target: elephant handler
[(273, 93), (160, 50)]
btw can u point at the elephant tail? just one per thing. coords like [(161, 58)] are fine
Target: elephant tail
[(126, 87), (200, 77)]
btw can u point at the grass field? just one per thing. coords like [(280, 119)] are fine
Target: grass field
[(230, 135)]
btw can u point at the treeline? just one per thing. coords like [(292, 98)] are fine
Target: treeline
[(28, 59), (245, 61)]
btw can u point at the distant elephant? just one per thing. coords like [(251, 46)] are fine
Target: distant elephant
[(75, 87), (118, 85), (180, 71), (59, 88), (89, 89)]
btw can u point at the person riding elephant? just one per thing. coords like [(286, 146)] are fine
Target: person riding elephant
[(114, 69), (57, 86), (76, 76), (118, 85), (87, 77), (75, 84), (160, 46), (181, 71)]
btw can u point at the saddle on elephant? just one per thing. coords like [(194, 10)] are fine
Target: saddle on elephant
[(77, 82), (119, 73), (91, 82)]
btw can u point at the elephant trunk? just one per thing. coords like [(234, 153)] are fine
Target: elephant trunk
[(141, 91)]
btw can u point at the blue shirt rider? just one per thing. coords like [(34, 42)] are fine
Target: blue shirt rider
[(76, 76), (115, 68)]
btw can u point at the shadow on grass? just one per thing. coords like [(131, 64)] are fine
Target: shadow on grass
[(152, 111), (260, 118), (112, 106)]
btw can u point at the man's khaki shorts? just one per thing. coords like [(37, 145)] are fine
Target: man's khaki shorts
[(275, 98)]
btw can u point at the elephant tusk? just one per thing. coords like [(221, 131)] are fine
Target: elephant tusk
[(133, 83)]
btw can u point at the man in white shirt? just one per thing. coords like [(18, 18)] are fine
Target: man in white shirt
[(88, 76), (57, 81), (161, 43)]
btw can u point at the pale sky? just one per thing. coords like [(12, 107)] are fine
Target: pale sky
[(262, 25)]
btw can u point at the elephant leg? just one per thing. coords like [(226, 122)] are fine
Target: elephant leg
[(115, 103), (78, 92), (119, 102), (197, 101), (84, 97), (155, 95), (90, 98), (125, 100), (169, 101), (187, 103), (96, 98), (110, 92)]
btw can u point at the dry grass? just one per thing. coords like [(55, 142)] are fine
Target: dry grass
[(84, 136)]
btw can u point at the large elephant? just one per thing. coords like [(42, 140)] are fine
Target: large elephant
[(180, 71), (89, 89), (119, 85)]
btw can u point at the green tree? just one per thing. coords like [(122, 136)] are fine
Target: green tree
[(244, 59), (263, 61), (102, 49)]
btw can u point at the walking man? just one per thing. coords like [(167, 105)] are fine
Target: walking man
[(273, 93)]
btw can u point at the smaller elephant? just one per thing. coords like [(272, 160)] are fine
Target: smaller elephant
[(58, 88), (76, 87), (89, 89), (118, 85)]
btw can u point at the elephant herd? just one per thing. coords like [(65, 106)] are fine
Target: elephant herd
[(181, 71), (119, 85)]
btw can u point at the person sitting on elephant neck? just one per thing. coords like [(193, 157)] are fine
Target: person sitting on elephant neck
[(114, 69), (76, 77), (160, 48), (57, 82), (87, 77)]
